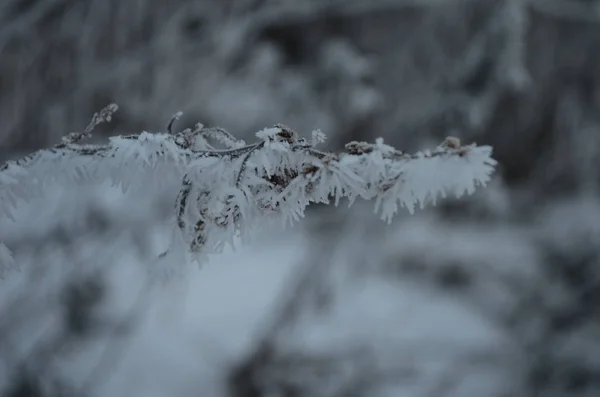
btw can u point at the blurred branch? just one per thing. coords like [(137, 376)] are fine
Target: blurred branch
[(24, 21), (61, 289), (579, 11), (302, 12)]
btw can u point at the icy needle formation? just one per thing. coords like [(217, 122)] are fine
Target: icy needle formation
[(227, 191)]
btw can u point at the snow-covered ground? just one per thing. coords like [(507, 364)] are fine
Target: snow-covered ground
[(189, 331), (191, 328), (199, 325)]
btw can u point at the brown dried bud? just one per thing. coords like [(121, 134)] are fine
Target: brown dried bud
[(310, 169), (286, 133), (451, 143), (357, 148)]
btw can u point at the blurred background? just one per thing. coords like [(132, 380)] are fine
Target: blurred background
[(497, 294)]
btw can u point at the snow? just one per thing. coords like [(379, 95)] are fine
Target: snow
[(199, 325), (193, 329)]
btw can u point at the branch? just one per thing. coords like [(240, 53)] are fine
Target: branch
[(228, 192)]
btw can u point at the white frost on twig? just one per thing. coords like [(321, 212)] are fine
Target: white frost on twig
[(228, 192)]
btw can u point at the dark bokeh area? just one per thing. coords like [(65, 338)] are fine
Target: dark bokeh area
[(495, 294)]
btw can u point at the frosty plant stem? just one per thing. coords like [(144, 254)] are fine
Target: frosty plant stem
[(228, 190)]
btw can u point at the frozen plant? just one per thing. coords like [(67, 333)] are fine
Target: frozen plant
[(229, 190)]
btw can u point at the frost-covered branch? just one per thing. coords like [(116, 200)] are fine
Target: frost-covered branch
[(226, 192)]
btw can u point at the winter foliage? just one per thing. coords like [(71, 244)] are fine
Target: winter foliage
[(229, 187)]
